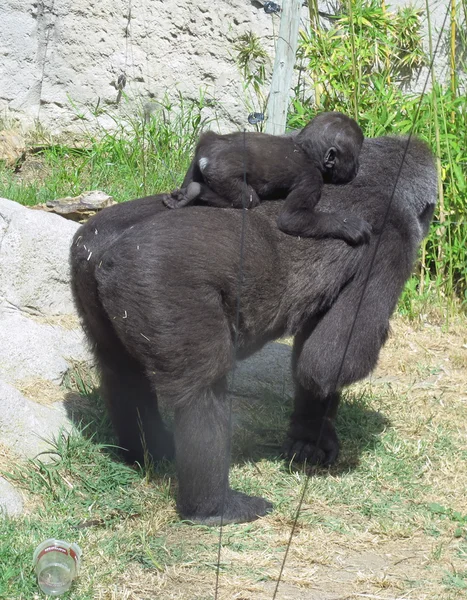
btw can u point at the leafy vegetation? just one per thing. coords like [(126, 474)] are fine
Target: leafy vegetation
[(144, 154), (360, 63)]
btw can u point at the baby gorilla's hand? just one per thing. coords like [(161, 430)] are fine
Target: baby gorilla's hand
[(355, 230), (248, 198)]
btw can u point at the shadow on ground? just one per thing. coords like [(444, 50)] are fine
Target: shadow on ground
[(262, 396)]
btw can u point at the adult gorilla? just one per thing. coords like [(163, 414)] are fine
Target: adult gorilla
[(157, 293)]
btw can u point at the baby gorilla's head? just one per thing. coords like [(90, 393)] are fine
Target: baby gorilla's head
[(334, 140)]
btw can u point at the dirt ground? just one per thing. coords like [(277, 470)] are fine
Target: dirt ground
[(421, 385), (388, 522)]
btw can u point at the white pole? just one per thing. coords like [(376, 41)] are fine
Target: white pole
[(286, 50)]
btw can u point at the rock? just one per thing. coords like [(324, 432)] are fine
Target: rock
[(25, 426), (39, 330), (34, 350), (11, 501), (40, 334), (12, 147), (34, 269), (79, 208)]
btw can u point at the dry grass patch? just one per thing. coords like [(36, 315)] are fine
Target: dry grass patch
[(41, 391)]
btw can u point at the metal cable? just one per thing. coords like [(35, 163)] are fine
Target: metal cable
[(372, 261), (237, 328)]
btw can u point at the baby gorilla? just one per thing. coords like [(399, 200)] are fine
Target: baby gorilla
[(244, 168)]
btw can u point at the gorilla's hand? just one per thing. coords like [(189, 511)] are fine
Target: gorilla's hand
[(304, 442), (354, 230)]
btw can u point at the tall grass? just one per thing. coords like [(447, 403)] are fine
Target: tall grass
[(144, 154)]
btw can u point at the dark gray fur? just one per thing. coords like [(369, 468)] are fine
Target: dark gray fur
[(157, 291), (239, 168)]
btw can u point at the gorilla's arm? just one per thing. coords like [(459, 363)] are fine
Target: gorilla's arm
[(299, 217), (327, 359)]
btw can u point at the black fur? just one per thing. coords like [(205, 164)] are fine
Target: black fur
[(157, 291), (248, 167)]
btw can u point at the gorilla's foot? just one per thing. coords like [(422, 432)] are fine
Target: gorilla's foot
[(238, 508), (193, 190), (183, 196), (176, 199), (315, 442)]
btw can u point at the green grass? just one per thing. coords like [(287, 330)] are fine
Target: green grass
[(398, 489), (143, 155)]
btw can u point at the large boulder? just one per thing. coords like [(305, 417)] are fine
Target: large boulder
[(34, 271), (40, 336), (39, 330)]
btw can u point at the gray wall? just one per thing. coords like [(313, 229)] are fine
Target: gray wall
[(53, 50)]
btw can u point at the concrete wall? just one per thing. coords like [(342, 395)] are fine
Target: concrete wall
[(53, 50), (56, 50)]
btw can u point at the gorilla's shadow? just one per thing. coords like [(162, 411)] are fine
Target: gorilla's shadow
[(261, 389)]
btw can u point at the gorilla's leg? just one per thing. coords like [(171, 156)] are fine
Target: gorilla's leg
[(202, 441), (234, 189), (133, 409), (195, 193), (124, 385), (187, 352), (311, 435), (200, 193)]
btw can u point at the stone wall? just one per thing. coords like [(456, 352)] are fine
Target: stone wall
[(57, 51)]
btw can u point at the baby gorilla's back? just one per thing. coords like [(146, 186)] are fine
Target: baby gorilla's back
[(271, 165)]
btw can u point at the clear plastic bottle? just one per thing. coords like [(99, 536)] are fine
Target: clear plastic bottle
[(56, 563)]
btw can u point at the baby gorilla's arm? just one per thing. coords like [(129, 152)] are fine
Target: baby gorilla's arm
[(299, 217)]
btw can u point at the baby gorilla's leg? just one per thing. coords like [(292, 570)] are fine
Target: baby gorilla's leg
[(236, 191), (200, 193), (183, 196)]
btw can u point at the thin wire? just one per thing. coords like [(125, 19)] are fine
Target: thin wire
[(127, 34), (48, 28), (237, 328), (365, 285)]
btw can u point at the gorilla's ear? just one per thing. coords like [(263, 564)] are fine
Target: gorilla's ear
[(330, 158)]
